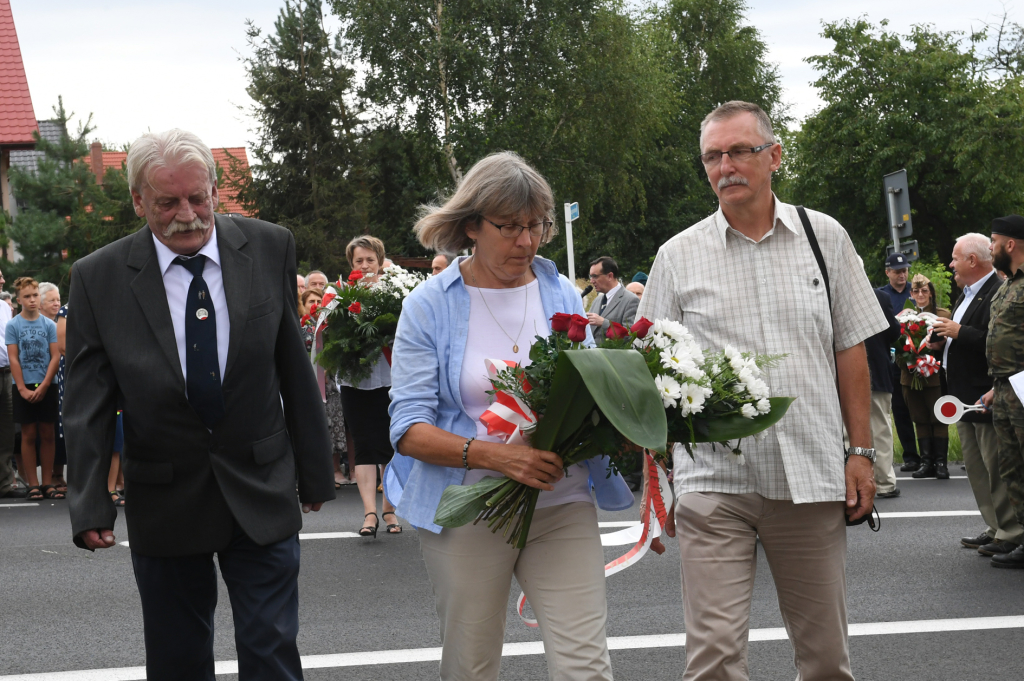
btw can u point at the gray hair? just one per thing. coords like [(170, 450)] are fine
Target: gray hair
[(4, 295), (977, 245), (735, 108), (45, 287), (161, 149), (502, 184), (306, 278)]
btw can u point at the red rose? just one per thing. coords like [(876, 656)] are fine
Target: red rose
[(313, 309), (560, 322), (306, 319), (355, 308), (642, 326), (355, 276), (578, 328), (914, 328), (616, 330)]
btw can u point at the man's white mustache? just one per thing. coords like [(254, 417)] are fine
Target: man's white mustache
[(724, 182), (178, 226)]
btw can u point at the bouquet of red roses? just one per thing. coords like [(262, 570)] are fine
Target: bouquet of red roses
[(359, 319), (574, 401), (916, 333)]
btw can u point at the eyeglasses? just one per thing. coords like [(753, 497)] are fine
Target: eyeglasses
[(741, 154), (593, 277), (511, 230)]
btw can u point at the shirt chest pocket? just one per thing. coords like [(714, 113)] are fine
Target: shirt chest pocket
[(805, 301)]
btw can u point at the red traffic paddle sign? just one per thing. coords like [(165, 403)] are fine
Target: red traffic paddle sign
[(949, 409)]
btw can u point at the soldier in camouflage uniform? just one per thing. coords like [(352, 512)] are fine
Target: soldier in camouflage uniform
[(1005, 354)]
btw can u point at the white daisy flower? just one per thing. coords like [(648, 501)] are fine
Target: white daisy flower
[(748, 411), (670, 390), (692, 401), (763, 406)]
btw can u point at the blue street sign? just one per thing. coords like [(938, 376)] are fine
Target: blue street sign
[(574, 211)]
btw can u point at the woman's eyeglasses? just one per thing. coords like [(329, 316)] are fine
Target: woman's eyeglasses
[(511, 230)]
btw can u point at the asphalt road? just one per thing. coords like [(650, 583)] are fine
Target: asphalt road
[(64, 609)]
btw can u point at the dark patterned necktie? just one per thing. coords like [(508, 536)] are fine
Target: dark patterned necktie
[(604, 301), (202, 368)]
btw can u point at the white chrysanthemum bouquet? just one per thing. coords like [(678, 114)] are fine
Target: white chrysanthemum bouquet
[(717, 397)]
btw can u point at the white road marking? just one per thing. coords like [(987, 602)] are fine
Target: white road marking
[(927, 514), (952, 477), (21, 505), (328, 535), (388, 657)]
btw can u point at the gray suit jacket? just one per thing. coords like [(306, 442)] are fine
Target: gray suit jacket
[(621, 308), (186, 486)]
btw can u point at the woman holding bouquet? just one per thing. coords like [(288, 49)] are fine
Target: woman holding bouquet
[(932, 436), (491, 306), (366, 405)]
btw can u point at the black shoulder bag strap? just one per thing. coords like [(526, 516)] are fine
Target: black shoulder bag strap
[(813, 240)]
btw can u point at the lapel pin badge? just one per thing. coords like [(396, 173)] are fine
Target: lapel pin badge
[(202, 314)]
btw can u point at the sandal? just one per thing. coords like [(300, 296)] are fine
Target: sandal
[(61, 485), (391, 528), (115, 496), (51, 492), (34, 494), (366, 530)]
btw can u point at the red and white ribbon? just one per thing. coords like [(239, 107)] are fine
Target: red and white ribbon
[(652, 518), (508, 412)]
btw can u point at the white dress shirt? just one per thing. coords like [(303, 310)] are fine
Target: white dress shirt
[(611, 294), (969, 294), (176, 282), (5, 316)]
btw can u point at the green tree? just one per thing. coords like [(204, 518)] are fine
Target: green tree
[(931, 102), (571, 85), (307, 175), (67, 215)]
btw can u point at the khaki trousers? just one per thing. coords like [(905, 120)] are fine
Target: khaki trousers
[(981, 459), (561, 571), (806, 549), (881, 436)]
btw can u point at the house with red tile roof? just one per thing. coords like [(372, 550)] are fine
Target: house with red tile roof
[(17, 117), (224, 157)]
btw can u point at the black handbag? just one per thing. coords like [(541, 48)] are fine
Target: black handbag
[(869, 517)]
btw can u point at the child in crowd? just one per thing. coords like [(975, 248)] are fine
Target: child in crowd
[(32, 348)]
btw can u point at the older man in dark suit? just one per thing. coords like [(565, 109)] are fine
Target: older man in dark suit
[(615, 303), (967, 378), (191, 324)]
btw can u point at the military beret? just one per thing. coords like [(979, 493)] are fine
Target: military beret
[(1011, 226)]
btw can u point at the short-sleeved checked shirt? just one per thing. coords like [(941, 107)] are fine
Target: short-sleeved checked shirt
[(769, 297)]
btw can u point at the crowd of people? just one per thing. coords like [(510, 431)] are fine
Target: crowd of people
[(226, 423), (977, 344)]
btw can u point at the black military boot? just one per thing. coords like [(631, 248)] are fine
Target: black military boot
[(940, 451), (927, 469)]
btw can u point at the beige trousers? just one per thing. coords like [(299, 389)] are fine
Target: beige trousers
[(980, 449), (561, 571), (881, 436), (806, 549)]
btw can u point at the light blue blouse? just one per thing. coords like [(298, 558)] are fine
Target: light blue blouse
[(426, 366)]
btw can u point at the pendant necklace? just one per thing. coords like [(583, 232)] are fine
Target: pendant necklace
[(526, 306)]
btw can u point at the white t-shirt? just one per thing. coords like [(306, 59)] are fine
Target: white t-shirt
[(487, 341)]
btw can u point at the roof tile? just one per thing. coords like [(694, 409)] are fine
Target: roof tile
[(17, 118)]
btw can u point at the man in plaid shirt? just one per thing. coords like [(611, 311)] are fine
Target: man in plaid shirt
[(747, 276)]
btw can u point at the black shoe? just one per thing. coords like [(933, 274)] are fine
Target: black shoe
[(927, 470), (997, 548), (889, 495), (940, 452), (910, 466), (1014, 559), (15, 493), (976, 542)]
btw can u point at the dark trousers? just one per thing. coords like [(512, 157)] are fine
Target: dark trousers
[(179, 596), (901, 416)]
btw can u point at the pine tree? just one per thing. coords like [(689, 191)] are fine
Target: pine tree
[(67, 215)]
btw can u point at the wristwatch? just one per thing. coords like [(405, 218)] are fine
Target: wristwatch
[(860, 451)]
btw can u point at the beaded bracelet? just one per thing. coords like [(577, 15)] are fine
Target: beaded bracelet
[(465, 451)]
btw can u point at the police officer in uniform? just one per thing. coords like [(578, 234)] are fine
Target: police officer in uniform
[(898, 290), (1005, 354)]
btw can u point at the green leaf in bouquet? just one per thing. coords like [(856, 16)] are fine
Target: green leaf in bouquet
[(735, 427), (461, 504), (621, 385), (569, 402)]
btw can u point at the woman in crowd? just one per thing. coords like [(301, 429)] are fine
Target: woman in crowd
[(932, 436), (492, 305), (366, 406), (50, 307), (308, 298)]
